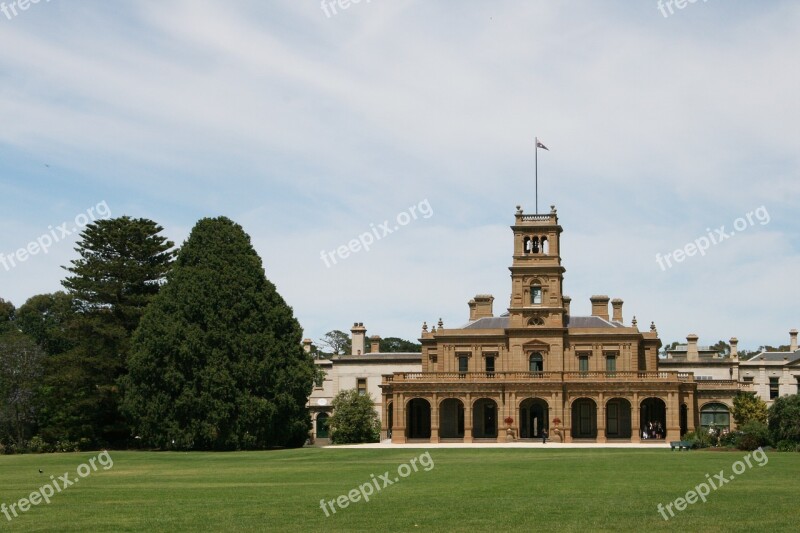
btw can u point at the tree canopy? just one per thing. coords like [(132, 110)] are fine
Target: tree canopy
[(217, 362), (396, 344)]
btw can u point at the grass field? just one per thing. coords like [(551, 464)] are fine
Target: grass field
[(464, 490)]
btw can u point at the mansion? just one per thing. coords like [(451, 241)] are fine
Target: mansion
[(539, 367)]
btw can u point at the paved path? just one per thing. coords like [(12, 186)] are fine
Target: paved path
[(537, 444)]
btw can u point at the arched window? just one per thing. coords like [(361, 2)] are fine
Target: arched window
[(715, 415), (536, 362), (535, 244), (545, 246)]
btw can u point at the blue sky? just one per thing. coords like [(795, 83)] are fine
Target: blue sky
[(306, 129)]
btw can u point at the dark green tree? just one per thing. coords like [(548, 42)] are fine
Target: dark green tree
[(122, 263), (217, 362), (722, 347), (47, 319), (784, 419), (670, 346), (7, 311), (354, 419), (20, 374), (395, 344)]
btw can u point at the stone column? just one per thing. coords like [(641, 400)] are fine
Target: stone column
[(435, 418), (636, 429), (468, 418), (672, 402), (601, 418), (399, 433)]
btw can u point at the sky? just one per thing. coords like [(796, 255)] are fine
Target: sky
[(311, 124)]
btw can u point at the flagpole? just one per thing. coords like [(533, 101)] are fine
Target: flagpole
[(536, 172)]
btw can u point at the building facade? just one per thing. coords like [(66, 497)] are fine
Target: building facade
[(360, 371), (538, 367)]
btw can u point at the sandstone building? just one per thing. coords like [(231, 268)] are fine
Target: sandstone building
[(541, 367)]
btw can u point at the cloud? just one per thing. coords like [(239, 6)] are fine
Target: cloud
[(306, 128)]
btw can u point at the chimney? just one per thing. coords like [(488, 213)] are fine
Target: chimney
[(471, 305), (567, 301), (600, 306), (691, 349), (359, 333), (616, 304), (307, 343), (793, 340), (483, 306), (375, 344), (734, 347)]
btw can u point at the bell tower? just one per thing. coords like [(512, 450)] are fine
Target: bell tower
[(537, 276)]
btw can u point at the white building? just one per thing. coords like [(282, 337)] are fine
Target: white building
[(359, 370)]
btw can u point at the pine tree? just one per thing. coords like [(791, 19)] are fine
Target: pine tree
[(122, 264), (217, 362)]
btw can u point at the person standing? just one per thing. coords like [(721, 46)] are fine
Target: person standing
[(544, 435)]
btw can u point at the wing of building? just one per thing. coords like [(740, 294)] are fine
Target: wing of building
[(537, 367)]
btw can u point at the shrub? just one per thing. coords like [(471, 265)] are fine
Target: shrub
[(788, 446), (698, 438), (354, 419), (66, 446), (754, 435), (784, 419), (38, 445), (730, 439)]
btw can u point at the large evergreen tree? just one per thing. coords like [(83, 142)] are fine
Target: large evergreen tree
[(122, 263), (217, 361)]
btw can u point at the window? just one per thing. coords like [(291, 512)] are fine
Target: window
[(611, 364), (490, 364), (322, 426), (318, 380), (748, 379), (361, 385), (773, 388), (463, 363), (536, 295), (583, 363), (716, 416), (536, 362)]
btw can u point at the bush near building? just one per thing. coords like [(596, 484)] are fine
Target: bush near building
[(354, 419)]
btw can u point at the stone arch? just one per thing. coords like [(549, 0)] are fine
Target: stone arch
[(618, 418), (534, 417), (653, 418), (485, 414), (418, 419), (451, 418), (584, 418)]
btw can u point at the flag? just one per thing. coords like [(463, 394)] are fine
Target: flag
[(540, 145)]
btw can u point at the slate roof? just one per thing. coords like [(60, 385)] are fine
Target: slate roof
[(380, 356), (774, 357)]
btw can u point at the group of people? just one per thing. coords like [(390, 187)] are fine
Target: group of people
[(653, 430)]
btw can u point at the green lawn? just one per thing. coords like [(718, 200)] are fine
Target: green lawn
[(465, 490)]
